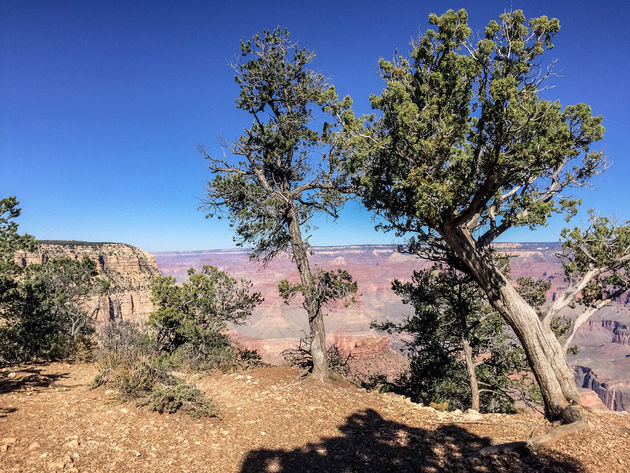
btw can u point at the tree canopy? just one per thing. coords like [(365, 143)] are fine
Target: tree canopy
[(289, 165), (193, 315), (465, 148)]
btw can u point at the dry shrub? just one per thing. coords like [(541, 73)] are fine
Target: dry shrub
[(182, 397)]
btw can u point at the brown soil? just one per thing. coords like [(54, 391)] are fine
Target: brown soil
[(272, 421)]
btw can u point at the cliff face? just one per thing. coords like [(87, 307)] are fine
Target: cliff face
[(128, 269), (614, 394)]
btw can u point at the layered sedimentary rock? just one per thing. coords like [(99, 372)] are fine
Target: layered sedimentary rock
[(614, 394), (128, 269), (274, 326)]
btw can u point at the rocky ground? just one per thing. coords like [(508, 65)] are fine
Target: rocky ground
[(272, 421)]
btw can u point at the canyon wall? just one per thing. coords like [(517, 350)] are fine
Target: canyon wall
[(604, 341), (615, 395), (128, 269)]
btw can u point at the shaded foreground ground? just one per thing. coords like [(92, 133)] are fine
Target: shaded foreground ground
[(271, 421)]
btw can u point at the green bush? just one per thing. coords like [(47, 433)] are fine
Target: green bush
[(188, 323)]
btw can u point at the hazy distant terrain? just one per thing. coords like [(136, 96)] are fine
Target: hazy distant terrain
[(604, 358)]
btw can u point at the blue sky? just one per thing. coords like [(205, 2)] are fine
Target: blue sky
[(103, 103)]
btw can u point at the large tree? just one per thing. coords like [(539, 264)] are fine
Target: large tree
[(287, 168), (466, 149)]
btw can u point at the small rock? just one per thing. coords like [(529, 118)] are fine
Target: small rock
[(124, 410), (12, 375), (71, 444), (110, 391), (34, 446), (457, 412), (263, 433), (44, 455), (9, 440)]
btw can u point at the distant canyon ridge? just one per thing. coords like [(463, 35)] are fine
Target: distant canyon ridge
[(602, 364)]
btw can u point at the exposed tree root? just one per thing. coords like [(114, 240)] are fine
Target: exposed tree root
[(533, 442)]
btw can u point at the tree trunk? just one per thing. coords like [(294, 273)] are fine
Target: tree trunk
[(472, 376), (311, 304), (543, 350)]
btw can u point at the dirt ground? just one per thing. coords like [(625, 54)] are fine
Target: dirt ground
[(271, 421)]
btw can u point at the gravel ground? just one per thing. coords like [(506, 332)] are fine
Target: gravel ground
[(271, 421)]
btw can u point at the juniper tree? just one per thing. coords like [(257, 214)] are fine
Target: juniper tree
[(459, 348), (596, 264), (10, 243), (466, 149), (192, 316), (284, 169)]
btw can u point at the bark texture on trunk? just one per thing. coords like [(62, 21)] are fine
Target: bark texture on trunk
[(472, 376), (311, 304), (543, 350)]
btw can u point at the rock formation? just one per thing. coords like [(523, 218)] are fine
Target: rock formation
[(274, 326), (128, 270)]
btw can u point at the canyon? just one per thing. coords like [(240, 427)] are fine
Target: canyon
[(128, 269), (602, 364)]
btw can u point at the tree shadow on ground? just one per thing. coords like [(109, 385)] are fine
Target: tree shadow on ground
[(372, 444), (28, 379), (7, 410)]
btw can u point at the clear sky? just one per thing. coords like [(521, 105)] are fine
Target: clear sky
[(102, 103)]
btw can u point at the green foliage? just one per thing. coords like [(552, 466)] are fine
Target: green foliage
[(601, 252), (40, 305), (136, 378), (47, 320), (450, 312), (10, 243), (327, 286), (288, 160), (465, 141), (533, 291), (189, 319)]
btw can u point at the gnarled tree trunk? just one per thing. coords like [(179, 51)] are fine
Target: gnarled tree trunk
[(543, 350), (311, 304), (472, 376)]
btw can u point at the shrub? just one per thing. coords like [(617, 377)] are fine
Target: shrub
[(182, 397), (300, 357), (188, 324), (136, 378), (122, 338)]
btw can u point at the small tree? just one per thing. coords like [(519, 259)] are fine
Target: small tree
[(47, 320), (10, 243), (460, 351), (596, 263), (466, 149), (191, 317), (288, 172)]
